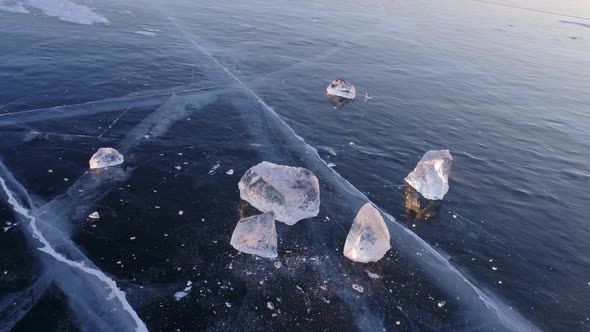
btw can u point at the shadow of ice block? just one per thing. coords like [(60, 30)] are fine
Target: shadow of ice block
[(246, 210), (420, 208), (339, 102)]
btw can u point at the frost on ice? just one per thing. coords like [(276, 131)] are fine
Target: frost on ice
[(256, 235), (368, 238), (431, 176), (292, 193), (106, 157), (342, 89)]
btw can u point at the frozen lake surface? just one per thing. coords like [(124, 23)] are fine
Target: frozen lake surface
[(194, 93)]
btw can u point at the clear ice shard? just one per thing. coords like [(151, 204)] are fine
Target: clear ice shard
[(256, 235), (431, 176), (368, 239), (106, 157), (292, 193), (341, 88)]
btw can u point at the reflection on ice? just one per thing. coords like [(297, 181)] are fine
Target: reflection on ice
[(246, 210), (418, 207), (339, 102), (256, 235), (368, 238)]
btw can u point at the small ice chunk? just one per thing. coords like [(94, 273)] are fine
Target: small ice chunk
[(431, 175), (214, 168), (368, 238), (441, 304), (292, 193), (358, 288), (341, 88), (180, 213), (180, 295), (270, 305), (230, 172), (94, 215), (256, 235), (372, 275), (227, 304), (278, 264), (106, 157)]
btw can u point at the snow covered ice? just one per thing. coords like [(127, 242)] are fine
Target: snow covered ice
[(341, 88), (431, 176), (256, 235), (106, 157), (368, 238), (292, 193)]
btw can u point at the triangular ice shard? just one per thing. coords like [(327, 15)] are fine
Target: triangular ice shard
[(256, 235), (431, 175), (292, 193), (368, 238)]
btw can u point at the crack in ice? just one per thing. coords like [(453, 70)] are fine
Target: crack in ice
[(115, 292)]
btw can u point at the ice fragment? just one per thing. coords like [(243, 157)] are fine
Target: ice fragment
[(341, 88), (358, 288), (180, 295), (94, 215), (106, 157), (256, 235), (368, 238), (292, 193), (431, 175)]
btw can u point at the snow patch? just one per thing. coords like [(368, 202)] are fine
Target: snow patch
[(145, 33), (67, 11), (13, 8)]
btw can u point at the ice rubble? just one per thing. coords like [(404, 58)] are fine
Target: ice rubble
[(368, 238), (256, 235), (292, 193), (431, 175), (341, 88), (106, 157)]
